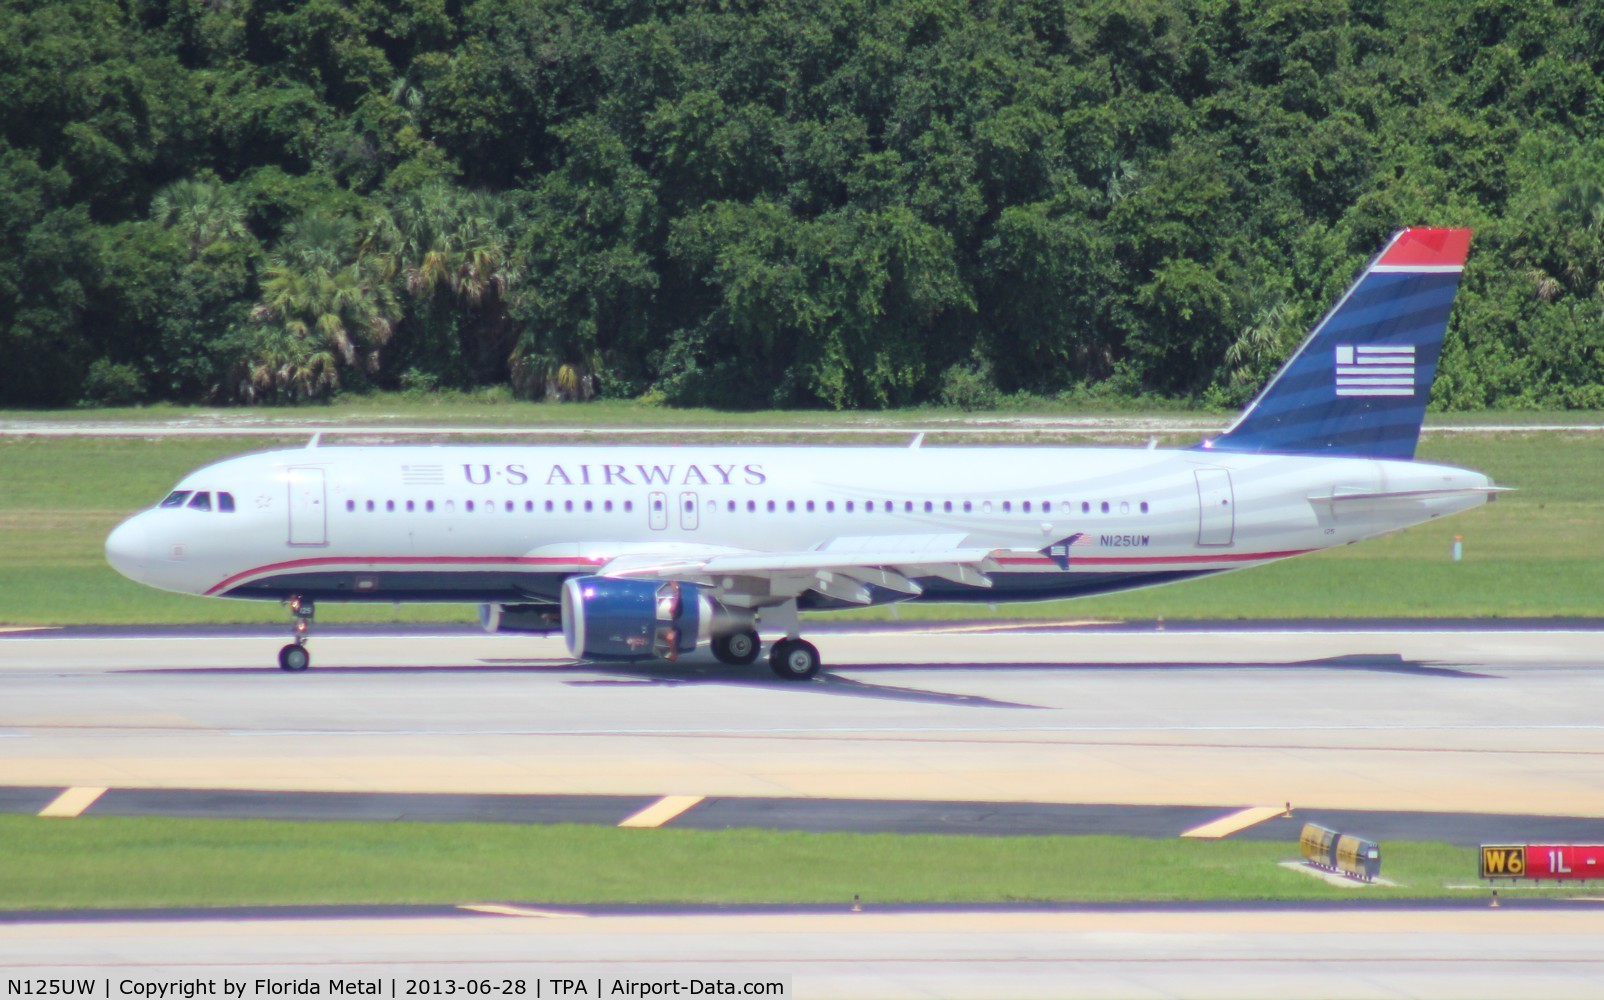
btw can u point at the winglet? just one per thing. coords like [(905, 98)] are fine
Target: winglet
[(315, 439)]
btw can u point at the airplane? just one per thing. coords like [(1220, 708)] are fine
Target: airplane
[(650, 553)]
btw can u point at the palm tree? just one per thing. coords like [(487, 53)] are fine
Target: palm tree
[(201, 208), (326, 304), (1583, 203), (282, 367), (454, 249), (1571, 260)]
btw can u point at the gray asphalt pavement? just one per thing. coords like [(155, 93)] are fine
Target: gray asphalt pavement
[(976, 727)]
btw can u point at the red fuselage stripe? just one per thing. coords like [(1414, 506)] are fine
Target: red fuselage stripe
[(538, 561), (377, 561), (1153, 560)]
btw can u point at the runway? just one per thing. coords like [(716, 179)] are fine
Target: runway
[(1483, 721), (981, 727), (1421, 954)]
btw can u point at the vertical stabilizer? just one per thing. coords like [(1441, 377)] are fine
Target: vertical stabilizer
[(1358, 384)]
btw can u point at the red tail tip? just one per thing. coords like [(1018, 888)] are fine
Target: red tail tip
[(1428, 248)]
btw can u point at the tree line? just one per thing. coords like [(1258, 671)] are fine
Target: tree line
[(787, 203)]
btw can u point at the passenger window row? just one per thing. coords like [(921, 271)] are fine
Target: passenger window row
[(488, 506), (732, 506), (930, 506)]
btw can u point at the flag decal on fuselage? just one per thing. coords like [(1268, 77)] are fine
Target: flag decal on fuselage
[(1058, 552), (423, 475), (1375, 370)]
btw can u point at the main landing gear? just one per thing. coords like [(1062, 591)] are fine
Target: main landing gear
[(790, 659), (737, 648), (794, 659), (295, 657)]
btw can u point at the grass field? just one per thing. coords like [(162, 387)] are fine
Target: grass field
[(496, 409), (492, 408), (148, 862), (1534, 553)]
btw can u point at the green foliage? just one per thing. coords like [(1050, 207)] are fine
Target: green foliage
[(108, 384), (454, 253), (841, 204), (968, 387), (843, 311), (327, 307), (585, 240)]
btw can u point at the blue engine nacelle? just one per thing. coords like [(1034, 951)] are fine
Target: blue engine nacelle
[(608, 619)]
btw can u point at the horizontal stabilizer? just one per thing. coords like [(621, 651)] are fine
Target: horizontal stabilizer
[(1342, 494)]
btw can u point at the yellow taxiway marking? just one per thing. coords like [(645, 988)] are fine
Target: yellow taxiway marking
[(502, 910), (27, 628), (72, 802), (661, 811), (1240, 820)]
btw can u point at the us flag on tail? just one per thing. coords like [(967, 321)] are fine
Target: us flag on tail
[(1367, 370)]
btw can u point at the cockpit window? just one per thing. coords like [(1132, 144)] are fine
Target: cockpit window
[(176, 498), (201, 501), (225, 502)]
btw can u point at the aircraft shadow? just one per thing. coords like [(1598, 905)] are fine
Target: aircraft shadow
[(1381, 663), (827, 683), (830, 682)]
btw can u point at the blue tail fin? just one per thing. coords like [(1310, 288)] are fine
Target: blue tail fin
[(1358, 385)]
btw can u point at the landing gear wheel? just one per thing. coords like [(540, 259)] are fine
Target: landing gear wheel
[(737, 648), (794, 659), (294, 658)]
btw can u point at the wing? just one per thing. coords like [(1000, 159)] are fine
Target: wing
[(843, 569)]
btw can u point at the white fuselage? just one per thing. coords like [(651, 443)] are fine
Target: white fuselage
[(508, 524)]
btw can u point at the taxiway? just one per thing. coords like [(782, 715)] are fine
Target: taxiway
[(1061, 728), (1436, 720)]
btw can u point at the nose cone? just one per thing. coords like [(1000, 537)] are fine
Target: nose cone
[(128, 549)]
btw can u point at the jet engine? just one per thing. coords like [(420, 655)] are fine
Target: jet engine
[(539, 619), (608, 619)]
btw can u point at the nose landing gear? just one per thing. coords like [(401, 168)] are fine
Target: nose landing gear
[(295, 657)]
